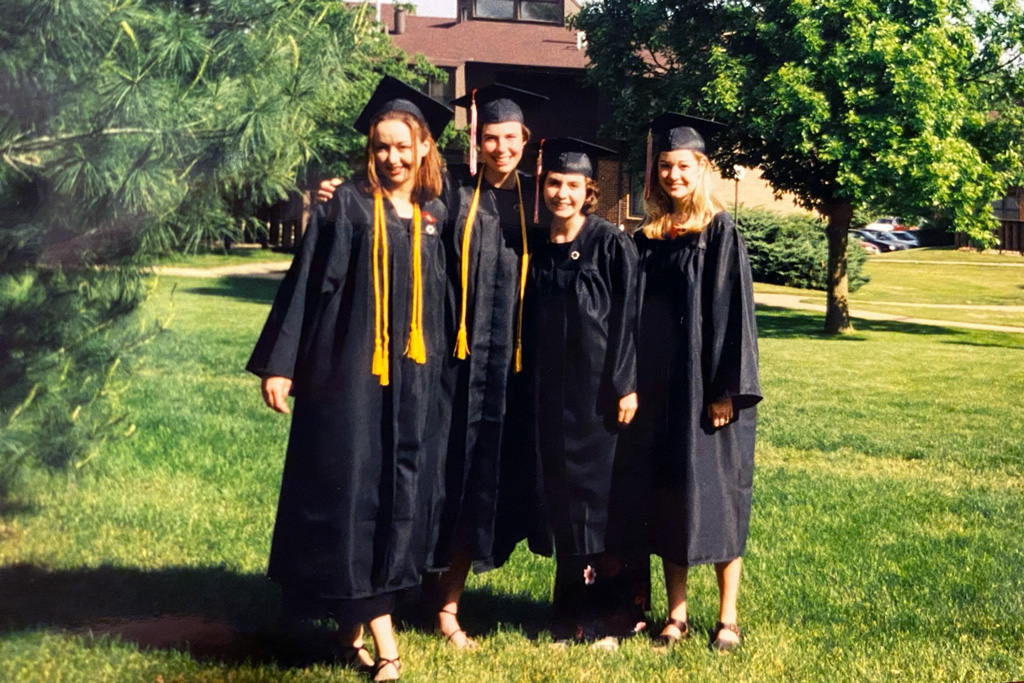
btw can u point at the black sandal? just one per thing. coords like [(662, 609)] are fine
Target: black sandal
[(381, 663), (450, 637), (348, 656), (665, 640), (726, 645)]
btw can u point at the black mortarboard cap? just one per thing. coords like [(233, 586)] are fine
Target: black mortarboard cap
[(498, 103), (672, 131), (572, 155), (394, 95)]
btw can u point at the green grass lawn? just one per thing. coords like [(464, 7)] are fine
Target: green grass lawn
[(938, 284), (885, 540), (947, 254)]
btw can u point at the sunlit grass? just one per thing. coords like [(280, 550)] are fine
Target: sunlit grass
[(885, 537)]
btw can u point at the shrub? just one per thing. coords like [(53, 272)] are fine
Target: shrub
[(792, 250)]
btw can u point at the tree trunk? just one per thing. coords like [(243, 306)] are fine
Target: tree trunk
[(837, 307)]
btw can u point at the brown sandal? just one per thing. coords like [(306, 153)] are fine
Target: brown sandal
[(665, 640), (726, 645)]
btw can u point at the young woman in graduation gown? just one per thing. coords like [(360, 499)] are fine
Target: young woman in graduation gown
[(486, 243), (581, 308), (480, 516), (698, 381), (356, 336)]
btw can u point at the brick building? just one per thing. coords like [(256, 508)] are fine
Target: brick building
[(526, 44)]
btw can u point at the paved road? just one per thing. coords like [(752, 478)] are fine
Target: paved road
[(276, 268)]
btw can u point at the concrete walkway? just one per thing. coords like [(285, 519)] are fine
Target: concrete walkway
[(796, 302), (950, 263), (266, 269), (275, 269)]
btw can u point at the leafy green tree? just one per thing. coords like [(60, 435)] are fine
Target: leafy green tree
[(900, 105), (134, 127)]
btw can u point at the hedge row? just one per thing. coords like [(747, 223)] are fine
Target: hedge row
[(792, 250)]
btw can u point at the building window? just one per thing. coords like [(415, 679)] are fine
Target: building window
[(442, 90), (549, 11), (636, 194)]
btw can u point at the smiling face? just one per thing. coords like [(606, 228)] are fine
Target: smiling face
[(501, 146), (679, 172), (397, 154), (565, 194)]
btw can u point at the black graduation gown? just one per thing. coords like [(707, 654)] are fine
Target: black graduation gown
[(697, 343), (581, 308), (478, 479), (357, 491)]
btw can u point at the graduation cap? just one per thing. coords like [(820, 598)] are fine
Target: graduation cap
[(671, 131), (394, 95), (567, 155), (497, 103)]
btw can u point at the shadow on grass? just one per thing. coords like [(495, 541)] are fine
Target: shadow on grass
[(210, 612), (256, 289)]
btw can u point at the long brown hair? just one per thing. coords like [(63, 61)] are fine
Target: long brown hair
[(698, 209), (427, 185)]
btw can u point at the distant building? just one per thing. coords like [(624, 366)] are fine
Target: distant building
[(526, 44)]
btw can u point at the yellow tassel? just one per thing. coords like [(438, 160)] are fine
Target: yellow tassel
[(462, 343), (462, 340), (379, 366), (524, 270), (417, 349)]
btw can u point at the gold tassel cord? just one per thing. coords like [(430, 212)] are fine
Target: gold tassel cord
[(381, 354), (523, 269), (462, 339), (416, 349)]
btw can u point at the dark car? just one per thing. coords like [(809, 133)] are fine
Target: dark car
[(888, 237), (883, 246)]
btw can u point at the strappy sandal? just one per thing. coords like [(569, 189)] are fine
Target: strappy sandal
[(382, 664), (348, 656), (726, 645), (450, 637), (666, 640)]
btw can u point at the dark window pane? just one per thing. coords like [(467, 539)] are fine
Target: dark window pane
[(636, 194), (495, 9), (538, 10)]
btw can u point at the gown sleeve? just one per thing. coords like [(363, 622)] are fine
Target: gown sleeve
[(730, 329), (623, 265), (318, 268)]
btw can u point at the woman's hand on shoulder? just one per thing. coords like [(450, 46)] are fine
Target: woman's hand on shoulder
[(326, 189), (275, 393), (720, 412), (627, 408)]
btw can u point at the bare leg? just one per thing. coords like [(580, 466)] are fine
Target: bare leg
[(728, 575), (388, 666), (352, 637), (675, 585), (450, 585)]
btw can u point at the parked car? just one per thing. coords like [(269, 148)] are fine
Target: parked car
[(869, 238), (867, 247), (885, 223), (907, 238), (888, 237)]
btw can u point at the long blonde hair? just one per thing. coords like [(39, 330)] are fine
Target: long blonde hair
[(428, 174), (698, 208)]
